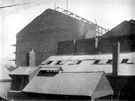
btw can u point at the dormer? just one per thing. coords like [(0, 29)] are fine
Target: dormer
[(49, 71)]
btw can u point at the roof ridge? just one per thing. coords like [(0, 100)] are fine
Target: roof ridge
[(82, 71)]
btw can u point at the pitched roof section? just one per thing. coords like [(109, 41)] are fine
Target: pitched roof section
[(103, 88), (24, 70), (4, 73), (75, 83), (124, 28)]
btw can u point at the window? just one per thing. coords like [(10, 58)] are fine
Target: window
[(96, 62), (124, 60), (61, 62), (110, 61)]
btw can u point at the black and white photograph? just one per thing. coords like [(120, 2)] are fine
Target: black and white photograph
[(67, 50)]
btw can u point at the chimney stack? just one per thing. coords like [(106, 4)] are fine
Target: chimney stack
[(32, 58), (116, 51), (96, 41)]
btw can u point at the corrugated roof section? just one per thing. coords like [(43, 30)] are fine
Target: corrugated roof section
[(71, 83)]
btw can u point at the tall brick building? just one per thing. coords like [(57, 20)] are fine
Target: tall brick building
[(43, 33), (54, 27)]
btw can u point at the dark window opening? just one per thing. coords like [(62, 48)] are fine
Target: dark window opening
[(61, 62), (96, 62), (79, 61), (110, 61), (58, 63), (124, 61), (47, 73)]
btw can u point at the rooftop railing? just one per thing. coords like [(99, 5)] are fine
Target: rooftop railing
[(100, 30)]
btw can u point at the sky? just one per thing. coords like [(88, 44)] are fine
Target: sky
[(107, 13)]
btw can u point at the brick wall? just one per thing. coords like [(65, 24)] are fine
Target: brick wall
[(87, 46), (65, 47), (43, 33)]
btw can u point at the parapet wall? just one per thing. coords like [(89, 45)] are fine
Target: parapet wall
[(87, 46)]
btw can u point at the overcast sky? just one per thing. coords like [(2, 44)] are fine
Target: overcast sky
[(108, 14)]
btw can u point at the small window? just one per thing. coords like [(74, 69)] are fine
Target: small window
[(110, 61), (96, 61), (60, 62), (47, 73), (79, 61), (48, 62), (124, 60)]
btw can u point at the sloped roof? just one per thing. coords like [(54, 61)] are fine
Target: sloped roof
[(24, 70), (88, 68), (124, 28), (78, 57), (4, 73), (93, 84), (88, 57), (87, 63)]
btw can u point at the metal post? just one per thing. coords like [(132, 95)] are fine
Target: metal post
[(75, 47), (54, 5), (96, 42), (67, 4)]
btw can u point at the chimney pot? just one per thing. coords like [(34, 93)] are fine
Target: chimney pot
[(32, 58)]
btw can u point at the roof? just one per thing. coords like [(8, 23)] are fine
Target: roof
[(92, 63), (93, 84), (126, 69), (4, 73), (24, 70), (5, 81), (88, 68), (124, 28), (88, 57)]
